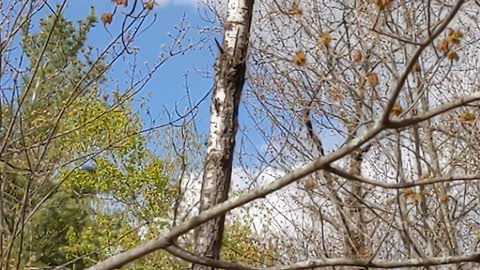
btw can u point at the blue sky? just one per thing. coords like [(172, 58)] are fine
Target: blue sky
[(167, 86)]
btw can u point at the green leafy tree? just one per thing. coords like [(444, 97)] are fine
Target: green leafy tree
[(241, 245), (79, 216)]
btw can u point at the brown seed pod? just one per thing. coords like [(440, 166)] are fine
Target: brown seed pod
[(357, 56), (383, 4), (372, 79), (454, 36), (466, 116), (149, 5), (296, 10), (121, 2), (417, 197), (452, 55), (325, 39), (408, 192), (443, 45), (309, 184), (107, 18), (396, 110), (300, 58)]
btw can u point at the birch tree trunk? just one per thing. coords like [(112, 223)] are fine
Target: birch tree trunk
[(229, 80)]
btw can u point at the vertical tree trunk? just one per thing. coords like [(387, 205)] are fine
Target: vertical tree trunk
[(355, 240), (229, 80)]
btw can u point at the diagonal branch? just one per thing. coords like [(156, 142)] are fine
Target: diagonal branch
[(430, 261), (422, 182), (260, 192), (166, 240), (189, 257)]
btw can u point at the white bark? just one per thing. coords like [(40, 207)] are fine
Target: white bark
[(229, 80)]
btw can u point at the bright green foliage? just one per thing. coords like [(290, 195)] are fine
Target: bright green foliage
[(42, 99), (66, 75), (91, 214), (240, 245), (62, 214)]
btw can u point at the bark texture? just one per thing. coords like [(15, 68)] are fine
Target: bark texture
[(229, 79)]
